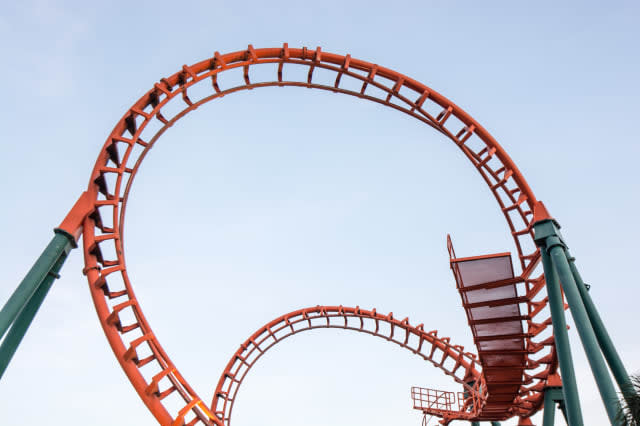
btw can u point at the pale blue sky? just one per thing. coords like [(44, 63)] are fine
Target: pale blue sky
[(276, 199)]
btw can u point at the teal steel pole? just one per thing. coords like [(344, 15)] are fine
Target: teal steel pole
[(24, 303), (548, 418), (587, 336), (475, 423), (563, 410), (495, 423), (62, 242), (606, 344), (24, 319), (563, 350)]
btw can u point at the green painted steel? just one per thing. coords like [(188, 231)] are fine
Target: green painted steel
[(548, 418), (24, 303), (475, 423), (24, 319), (587, 336), (551, 396), (606, 344), (61, 243), (495, 423), (563, 410), (563, 350)]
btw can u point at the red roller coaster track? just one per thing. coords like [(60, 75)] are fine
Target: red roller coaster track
[(426, 344), (139, 352)]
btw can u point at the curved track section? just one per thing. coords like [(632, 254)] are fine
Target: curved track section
[(451, 359), (148, 367)]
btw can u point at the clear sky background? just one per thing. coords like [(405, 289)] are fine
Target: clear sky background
[(277, 199)]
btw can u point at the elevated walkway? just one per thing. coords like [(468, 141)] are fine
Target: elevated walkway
[(437, 402), (490, 298)]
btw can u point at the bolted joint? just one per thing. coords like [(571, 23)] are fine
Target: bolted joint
[(572, 265), (554, 241), (72, 223), (544, 229), (70, 238), (545, 226)]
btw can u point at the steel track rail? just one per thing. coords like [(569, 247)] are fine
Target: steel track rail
[(451, 359), (141, 356)]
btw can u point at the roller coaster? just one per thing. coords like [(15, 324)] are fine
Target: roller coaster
[(517, 369)]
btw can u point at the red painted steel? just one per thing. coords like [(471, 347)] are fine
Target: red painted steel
[(451, 359), (437, 401), (141, 356), (490, 296)]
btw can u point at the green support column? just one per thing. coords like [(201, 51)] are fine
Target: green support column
[(563, 350), (24, 319), (606, 344), (563, 410), (19, 310), (587, 336), (549, 415), (34, 277), (475, 423), (495, 423)]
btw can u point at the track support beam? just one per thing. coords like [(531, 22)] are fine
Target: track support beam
[(548, 418), (604, 340), (552, 395), (556, 306), (19, 311), (556, 266)]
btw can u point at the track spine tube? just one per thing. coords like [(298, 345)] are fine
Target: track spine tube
[(606, 344), (556, 305), (22, 306)]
